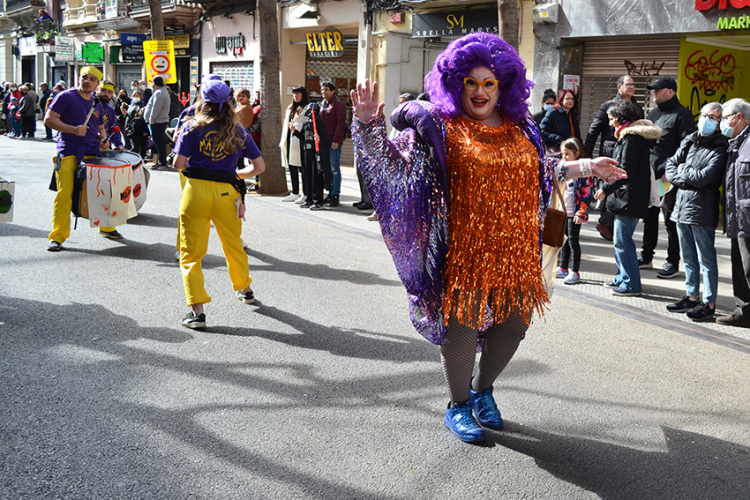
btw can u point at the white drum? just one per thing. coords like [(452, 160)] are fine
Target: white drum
[(140, 174), (107, 194)]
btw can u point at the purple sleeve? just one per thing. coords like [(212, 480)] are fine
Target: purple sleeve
[(251, 149), (185, 144), (60, 103)]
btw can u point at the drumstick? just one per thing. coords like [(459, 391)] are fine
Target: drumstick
[(93, 107)]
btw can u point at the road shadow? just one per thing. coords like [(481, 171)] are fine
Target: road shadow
[(318, 271), (9, 229), (154, 220), (693, 466)]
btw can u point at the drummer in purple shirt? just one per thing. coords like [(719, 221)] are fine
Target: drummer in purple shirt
[(105, 93), (67, 114), (206, 152)]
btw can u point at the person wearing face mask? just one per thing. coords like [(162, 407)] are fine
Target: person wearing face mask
[(147, 92), (696, 171), (136, 127), (676, 122), (548, 102), (735, 125)]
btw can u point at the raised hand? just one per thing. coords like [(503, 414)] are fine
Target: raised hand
[(365, 103)]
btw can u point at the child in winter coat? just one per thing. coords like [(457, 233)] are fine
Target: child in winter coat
[(577, 195), (138, 133), (15, 118)]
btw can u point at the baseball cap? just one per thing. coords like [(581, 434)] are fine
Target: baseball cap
[(666, 82)]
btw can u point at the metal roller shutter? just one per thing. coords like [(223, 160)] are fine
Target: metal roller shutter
[(645, 59)]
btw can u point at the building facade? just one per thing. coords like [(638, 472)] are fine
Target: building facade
[(703, 44)]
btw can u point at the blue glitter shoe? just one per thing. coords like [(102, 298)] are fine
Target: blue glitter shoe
[(485, 409), (459, 419)]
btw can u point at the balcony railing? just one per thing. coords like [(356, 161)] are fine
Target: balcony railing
[(12, 6), (141, 5)]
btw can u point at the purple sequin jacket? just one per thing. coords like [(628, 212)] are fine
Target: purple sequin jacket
[(407, 179)]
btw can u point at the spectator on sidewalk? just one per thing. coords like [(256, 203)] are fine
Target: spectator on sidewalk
[(735, 125), (628, 198), (156, 115), (14, 116), (334, 117), (696, 172), (43, 100), (676, 122), (600, 128), (561, 122), (27, 109), (577, 195), (548, 102), (121, 112), (291, 145)]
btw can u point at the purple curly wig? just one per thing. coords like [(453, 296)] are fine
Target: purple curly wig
[(445, 82)]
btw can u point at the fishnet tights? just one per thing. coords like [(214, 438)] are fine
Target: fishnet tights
[(458, 353)]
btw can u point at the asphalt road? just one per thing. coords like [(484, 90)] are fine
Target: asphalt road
[(322, 389)]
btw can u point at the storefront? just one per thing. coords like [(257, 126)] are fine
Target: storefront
[(230, 49), (325, 43), (703, 44)]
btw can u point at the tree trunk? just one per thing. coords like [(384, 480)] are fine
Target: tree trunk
[(157, 23), (273, 180), (508, 17)]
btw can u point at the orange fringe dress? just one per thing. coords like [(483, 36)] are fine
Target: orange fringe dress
[(493, 225)]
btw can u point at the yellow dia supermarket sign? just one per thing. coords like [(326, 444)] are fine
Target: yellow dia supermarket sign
[(326, 45)]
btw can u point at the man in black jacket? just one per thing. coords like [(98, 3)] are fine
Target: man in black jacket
[(676, 122), (600, 127), (46, 95)]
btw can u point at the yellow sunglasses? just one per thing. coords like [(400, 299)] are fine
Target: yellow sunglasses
[(489, 85)]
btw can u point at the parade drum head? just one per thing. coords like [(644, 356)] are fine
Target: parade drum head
[(133, 158), (105, 162)]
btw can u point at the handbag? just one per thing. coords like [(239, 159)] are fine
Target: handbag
[(556, 220)]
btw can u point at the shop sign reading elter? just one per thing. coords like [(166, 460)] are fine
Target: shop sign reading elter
[(326, 45)]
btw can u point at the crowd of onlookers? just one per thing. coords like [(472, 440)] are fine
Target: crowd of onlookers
[(676, 171), (22, 105)]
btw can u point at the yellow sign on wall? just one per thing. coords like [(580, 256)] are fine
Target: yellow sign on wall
[(180, 41), (159, 60), (708, 73), (329, 44)]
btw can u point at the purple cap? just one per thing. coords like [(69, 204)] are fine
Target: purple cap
[(215, 91)]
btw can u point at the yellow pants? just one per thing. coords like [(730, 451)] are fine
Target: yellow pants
[(64, 200), (204, 202), (183, 180)]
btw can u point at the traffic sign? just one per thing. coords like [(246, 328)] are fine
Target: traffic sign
[(159, 60)]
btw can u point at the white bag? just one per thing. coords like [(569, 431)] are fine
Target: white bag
[(654, 199)]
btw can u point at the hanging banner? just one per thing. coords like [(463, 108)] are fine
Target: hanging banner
[(27, 46), (326, 45), (64, 49), (455, 23), (159, 55)]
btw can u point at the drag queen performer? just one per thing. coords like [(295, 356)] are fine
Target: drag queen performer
[(461, 195)]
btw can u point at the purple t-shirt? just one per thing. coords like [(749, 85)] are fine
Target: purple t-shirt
[(110, 121), (200, 146), (73, 110)]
